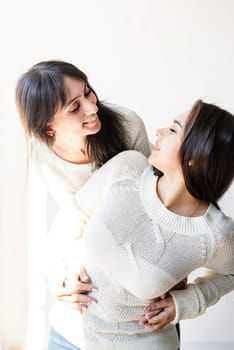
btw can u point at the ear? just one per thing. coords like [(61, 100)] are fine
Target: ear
[(50, 131)]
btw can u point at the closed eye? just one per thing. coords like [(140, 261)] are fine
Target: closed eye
[(87, 93), (76, 108)]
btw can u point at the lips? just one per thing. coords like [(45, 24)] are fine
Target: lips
[(156, 147), (92, 120)]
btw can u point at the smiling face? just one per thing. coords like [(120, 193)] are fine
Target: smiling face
[(165, 153), (78, 117)]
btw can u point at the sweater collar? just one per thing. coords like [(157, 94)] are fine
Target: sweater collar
[(166, 218)]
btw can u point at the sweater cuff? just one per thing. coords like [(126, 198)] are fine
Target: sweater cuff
[(189, 303)]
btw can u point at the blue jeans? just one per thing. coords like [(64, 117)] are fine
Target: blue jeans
[(58, 342)]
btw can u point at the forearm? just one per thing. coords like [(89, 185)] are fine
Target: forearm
[(204, 292)]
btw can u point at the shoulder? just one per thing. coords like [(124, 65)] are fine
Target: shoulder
[(125, 164), (227, 229), (222, 243), (224, 224), (131, 157), (39, 151), (135, 129), (129, 116)]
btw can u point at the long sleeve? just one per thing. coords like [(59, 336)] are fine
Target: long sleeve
[(75, 216), (204, 292), (217, 281), (125, 165), (138, 139)]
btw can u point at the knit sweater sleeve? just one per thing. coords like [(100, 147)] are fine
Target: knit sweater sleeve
[(216, 281), (123, 166), (137, 136), (66, 246)]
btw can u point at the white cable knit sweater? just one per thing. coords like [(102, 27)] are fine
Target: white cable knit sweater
[(135, 250), (64, 180)]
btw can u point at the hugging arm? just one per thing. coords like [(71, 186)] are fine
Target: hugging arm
[(75, 217)]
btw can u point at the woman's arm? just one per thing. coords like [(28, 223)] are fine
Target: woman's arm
[(137, 136), (189, 303), (75, 218), (216, 281), (204, 292)]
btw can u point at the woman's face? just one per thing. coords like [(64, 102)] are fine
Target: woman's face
[(79, 115), (165, 153)]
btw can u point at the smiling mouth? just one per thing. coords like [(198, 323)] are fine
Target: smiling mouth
[(91, 121), (155, 148)]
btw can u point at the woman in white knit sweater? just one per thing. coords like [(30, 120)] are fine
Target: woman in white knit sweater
[(149, 232), (72, 134)]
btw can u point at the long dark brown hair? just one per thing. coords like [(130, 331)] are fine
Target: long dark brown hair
[(207, 152), (39, 93)]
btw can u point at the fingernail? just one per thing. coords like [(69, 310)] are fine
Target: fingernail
[(148, 308), (85, 279), (93, 302), (94, 290)]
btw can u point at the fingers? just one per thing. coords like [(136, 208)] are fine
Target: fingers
[(77, 298), (145, 318), (76, 306), (157, 305), (84, 277), (158, 314), (163, 296), (72, 286), (73, 283), (156, 323)]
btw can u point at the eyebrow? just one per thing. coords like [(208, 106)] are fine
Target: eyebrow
[(71, 101), (177, 122)]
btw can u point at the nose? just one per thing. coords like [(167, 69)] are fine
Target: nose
[(158, 132), (89, 107)]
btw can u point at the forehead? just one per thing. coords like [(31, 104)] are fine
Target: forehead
[(182, 118), (73, 86)]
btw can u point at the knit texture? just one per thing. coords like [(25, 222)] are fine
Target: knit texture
[(64, 179), (136, 250)]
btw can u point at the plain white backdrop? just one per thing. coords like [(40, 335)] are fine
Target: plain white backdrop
[(154, 56)]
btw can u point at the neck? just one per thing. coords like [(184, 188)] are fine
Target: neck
[(73, 152), (175, 197)]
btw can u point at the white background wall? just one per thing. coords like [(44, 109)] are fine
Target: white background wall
[(155, 56)]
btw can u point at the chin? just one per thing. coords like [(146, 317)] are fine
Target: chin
[(98, 128), (151, 160), (95, 129)]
